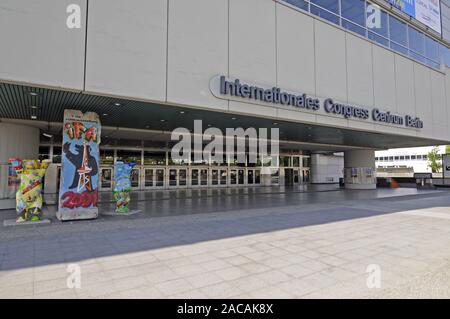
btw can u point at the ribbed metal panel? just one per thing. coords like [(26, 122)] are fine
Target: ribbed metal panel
[(16, 102)]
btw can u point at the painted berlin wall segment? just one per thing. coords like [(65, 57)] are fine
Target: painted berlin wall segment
[(78, 191), (122, 186), (30, 174)]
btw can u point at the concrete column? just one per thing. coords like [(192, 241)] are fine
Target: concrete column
[(359, 169), (326, 169), (16, 141), (266, 176)]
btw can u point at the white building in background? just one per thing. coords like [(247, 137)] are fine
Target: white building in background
[(413, 159)]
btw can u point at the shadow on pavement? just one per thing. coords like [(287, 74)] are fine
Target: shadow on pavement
[(196, 220)]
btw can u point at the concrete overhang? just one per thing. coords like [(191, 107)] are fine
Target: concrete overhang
[(131, 120)]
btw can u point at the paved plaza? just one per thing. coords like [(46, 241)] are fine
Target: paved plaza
[(331, 244)]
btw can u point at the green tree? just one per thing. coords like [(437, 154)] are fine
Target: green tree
[(434, 160), (447, 149)]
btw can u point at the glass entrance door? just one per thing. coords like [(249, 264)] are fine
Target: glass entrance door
[(182, 177), (305, 176), (219, 177), (153, 178), (177, 177), (233, 177), (250, 177), (149, 178), (199, 177), (223, 177), (214, 177), (160, 177), (204, 177), (195, 177), (288, 177), (173, 177), (135, 178), (296, 177), (106, 178), (253, 177), (241, 177)]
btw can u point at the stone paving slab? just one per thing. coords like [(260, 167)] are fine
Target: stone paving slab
[(294, 251), (12, 222), (114, 213)]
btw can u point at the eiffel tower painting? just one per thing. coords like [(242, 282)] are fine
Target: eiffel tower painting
[(84, 171)]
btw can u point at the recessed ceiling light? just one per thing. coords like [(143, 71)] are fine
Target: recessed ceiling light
[(32, 93), (209, 125), (47, 135), (33, 117), (162, 120), (34, 107), (275, 123), (182, 112), (117, 104), (147, 126), (105, 114), (234, 118)]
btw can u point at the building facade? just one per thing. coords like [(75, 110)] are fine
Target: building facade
[(406, 161), (334, 76)]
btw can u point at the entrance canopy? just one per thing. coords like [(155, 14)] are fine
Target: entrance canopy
[(141, 121)]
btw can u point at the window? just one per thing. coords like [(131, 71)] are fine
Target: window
[(154, 158), (390, 31), (302, 4), (398, 35), (431, 49), (107, 157), (57, 154), (326, 9), (416, 43), (224, 161), (413, 157), (396, 158), (353, 12), (129, 156), (44, 152), (194, 162), (285, 161), (378, 39), (305, 162), (399, 48), (402, 158), (444, 53), (381, 29), (391, 158), (407, 157), (378, 32), (330, 5), (397, 31)]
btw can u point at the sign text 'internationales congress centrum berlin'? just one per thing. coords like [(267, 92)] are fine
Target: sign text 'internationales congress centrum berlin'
[(275, 95)]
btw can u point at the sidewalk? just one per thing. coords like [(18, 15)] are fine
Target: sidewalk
[(279, 246), (199, 201)]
